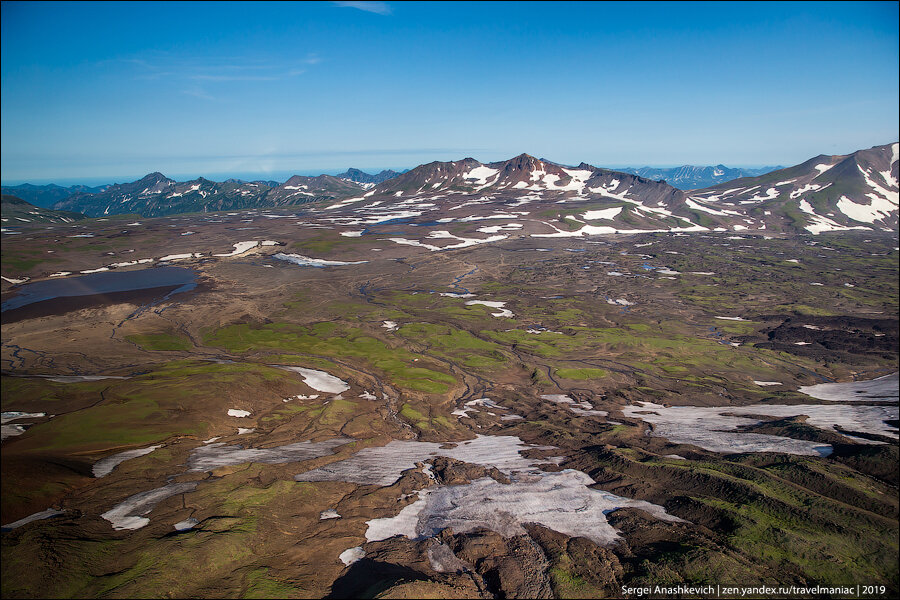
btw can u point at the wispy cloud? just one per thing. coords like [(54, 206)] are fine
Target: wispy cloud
[(199, 78), (380, 8), (198, 92)]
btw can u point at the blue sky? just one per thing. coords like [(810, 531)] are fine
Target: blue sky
[(109, 92)]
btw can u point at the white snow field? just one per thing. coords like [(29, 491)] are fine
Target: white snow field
[(715, 428), (881, 389)]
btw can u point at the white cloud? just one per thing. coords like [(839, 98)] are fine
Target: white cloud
[(381, 8)]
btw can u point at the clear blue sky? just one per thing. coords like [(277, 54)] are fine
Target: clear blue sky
[(109, 92)]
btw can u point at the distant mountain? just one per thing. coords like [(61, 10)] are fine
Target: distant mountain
[(300, 189), (826, 193), (689, 177), (266, 182), (16, 212), (367, 180), (156, 195), (46, 196)]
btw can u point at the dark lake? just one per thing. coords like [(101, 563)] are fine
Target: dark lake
[(169, 280)]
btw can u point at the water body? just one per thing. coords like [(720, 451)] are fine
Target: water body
[(173, 279)]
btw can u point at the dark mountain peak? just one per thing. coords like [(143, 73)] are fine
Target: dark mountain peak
[(354, 174), (522, 162), (583, 166), (296, 180), (153, 177)]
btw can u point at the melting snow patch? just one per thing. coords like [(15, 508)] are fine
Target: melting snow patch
[(207, 458), (765, 383), (482, 174), (579, 408), (878, 208), (731, 318), (14, 281), (8, 431), (503, 311), (38, 516), (606, 213), (105, 466), (329, 514), (390, 325), (186, 525), (318, 380), (236, 412), (560, 501), (243, 430), (305, 261), (351, 555), (715, 428), (129, 514), (169, 257), (80, 378), (383, 465), (496, 228), (240, 248)]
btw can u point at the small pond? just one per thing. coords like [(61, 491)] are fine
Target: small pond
[(108, 282)]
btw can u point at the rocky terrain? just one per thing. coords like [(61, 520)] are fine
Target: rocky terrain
[(512, 379)]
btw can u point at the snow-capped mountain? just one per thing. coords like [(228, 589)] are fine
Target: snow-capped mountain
[(825, 193), (856, 191), (156, 195)]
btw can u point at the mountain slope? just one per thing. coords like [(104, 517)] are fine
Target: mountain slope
[(825, 193), (18, 212)]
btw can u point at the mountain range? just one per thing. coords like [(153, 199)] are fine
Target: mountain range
[(688, 177), (825, 193), (854, 191), (45, 196)]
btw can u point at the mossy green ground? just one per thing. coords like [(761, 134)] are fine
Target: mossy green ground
[(332, 340), (160, 341)]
